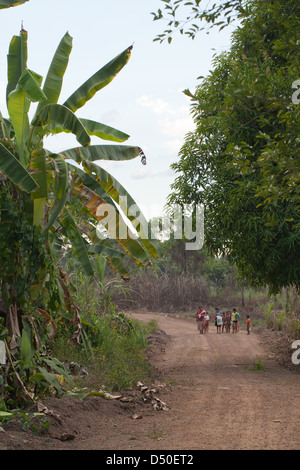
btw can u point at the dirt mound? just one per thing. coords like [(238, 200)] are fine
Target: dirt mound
[(278, 343), (157, 341)]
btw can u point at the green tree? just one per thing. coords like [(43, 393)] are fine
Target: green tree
[(51, 201), (188, 18), (242, 162)]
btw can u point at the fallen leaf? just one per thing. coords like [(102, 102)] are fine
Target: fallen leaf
[(126, 399)]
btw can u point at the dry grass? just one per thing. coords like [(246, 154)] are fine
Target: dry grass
[(164, 293), (184, 293)]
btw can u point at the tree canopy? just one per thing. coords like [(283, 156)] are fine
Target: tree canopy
[(190, 17), (242, 161)]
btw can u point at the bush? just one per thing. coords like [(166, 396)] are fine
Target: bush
[(111, 350)]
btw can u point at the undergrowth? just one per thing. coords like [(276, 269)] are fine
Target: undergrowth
[(110, 353)]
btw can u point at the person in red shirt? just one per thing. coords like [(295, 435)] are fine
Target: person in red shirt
[(200, 319), (248, 325)]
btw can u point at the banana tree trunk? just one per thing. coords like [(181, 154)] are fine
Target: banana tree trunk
[(13, 324)]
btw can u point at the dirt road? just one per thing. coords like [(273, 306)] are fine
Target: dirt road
[(216, 400)]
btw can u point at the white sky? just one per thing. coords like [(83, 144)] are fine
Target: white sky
[(145, 100)]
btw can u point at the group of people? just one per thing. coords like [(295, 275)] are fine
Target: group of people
[(224, 321)]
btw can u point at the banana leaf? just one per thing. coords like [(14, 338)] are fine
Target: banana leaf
[(119, 194), (11, 3), (89, 181), (6, 129), (59, 368), (102, 152), (71, 231), (54, 79), (18, 111), (98, 246), (117, 265), (16, 60), (99, 80), (13, 169), (112, 255), (42, 373), (97, 129), (106, 251), (55, 174), (30, 82), (27, 90), (62, 116), (38, 170), (27, 350), (103, 131), (61, 190), (110, 219), (110, 190)]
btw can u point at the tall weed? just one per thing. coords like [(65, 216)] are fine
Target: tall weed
[(280, 318), (268, 315), (294, 327)]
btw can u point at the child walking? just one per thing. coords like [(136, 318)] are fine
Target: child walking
[(248, 325), (235, 321), (218, 321)]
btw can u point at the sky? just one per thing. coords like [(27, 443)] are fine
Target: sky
[(145, 100)]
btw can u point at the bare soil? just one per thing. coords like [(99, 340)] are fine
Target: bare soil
[(206, 394)]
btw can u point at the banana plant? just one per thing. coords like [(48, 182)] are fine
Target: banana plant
[(30, 166), (11, 3), (64, 191)]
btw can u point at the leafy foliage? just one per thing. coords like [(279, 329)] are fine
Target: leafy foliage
[(50, 208), (242, 161), (25, 263), (111, 342), (11, 3), (187, 17)]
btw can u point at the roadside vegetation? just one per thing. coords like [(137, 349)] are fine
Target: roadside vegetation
[(179, 281), (111, 349), (51, 208), (65, 291)]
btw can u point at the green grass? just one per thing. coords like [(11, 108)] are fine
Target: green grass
[(112, 355), (257, 365)]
